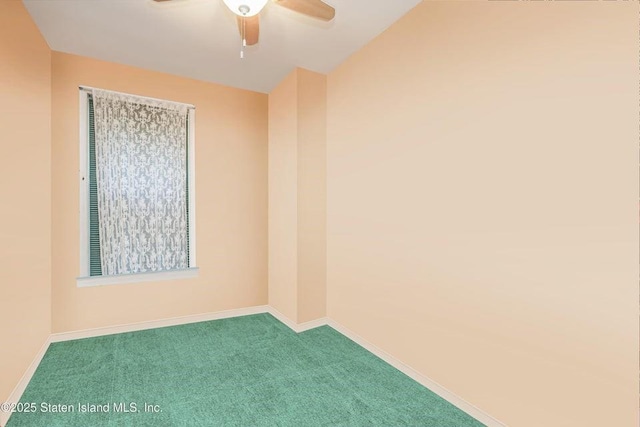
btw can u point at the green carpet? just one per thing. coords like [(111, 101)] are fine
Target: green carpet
[(243, 371)]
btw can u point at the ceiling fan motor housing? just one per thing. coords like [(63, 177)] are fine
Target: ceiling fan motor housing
[(246, 8)]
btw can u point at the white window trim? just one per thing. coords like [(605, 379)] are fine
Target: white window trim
[(121, 279), (84, 280)]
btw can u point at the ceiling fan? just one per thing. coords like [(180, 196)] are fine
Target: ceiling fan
[(249, 19)]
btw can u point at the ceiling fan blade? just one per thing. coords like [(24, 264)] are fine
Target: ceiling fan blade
[(251, 29), (313, 8)]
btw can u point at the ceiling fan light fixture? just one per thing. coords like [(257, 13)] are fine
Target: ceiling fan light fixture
[(246, 8)]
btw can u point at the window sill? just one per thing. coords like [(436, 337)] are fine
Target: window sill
[(190, 273)]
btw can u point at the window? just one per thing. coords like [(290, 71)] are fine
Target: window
[(137, 209)]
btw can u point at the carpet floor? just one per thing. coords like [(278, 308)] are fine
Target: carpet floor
[(244, 371)]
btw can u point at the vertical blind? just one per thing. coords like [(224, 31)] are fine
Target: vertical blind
[(95, 266)]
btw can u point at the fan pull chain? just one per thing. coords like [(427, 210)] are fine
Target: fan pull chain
[(244, 32), (244, 39)]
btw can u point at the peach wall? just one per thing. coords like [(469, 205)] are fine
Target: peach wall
[(297, 196), (312, 203), (25, 190), (482, 173), (283, 197), (231, 200)]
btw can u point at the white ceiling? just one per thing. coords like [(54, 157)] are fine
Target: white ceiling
[(200, 39)]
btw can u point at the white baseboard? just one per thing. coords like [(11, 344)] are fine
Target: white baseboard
[(297, 327), (312, 324), (152, 324), (441, 391), (16, 394)]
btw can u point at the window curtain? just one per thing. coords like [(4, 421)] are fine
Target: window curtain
[(141, 175)]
